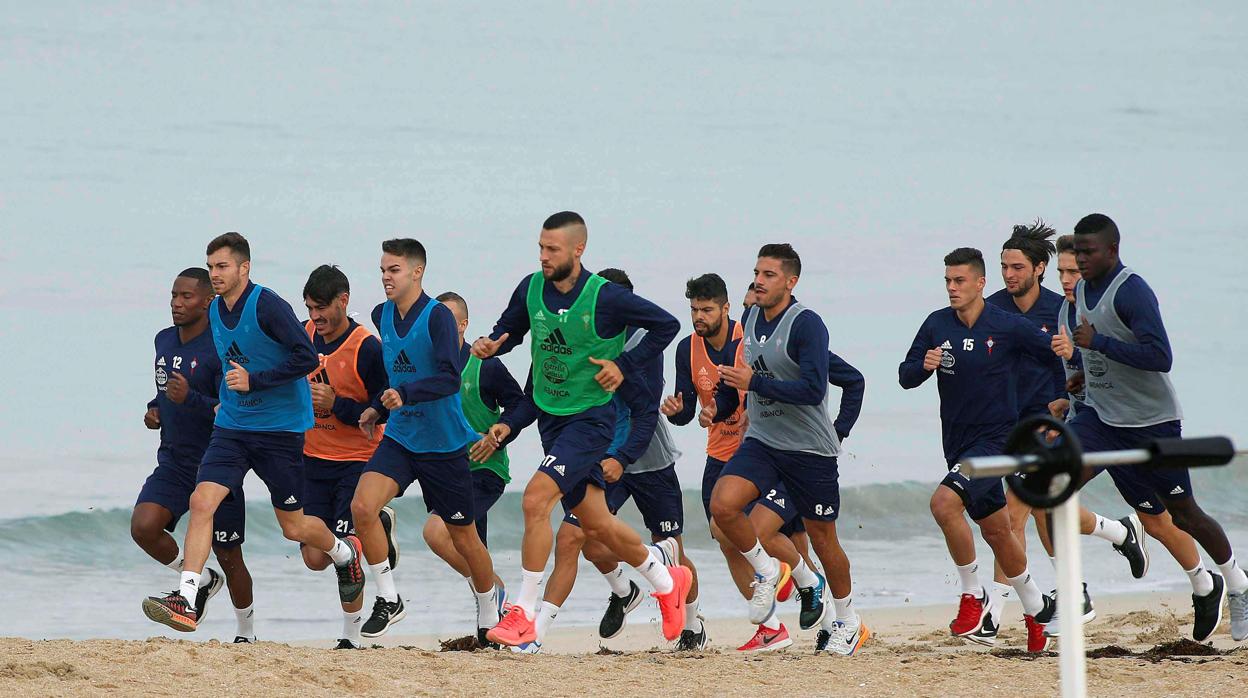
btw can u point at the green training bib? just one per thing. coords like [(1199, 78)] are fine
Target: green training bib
[(480, 417), (563, 377)]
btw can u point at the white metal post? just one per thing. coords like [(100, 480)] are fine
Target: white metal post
[(1067, 549)]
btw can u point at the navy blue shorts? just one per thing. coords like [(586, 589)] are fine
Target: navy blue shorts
[(575, 447), (170, 486), (445, 479), (776, 499), (328, 489), (811, 481), (1145, 489), (658, 498), (275, 456), (487, 487), (982, 496)]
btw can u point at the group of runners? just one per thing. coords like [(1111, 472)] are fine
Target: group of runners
[(338, 421)]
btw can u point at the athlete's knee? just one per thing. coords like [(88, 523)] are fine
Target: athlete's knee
[(435, 532), (364, 513), (946, 507), (724, 508), (995, 530), (203, 502), (145, 529)]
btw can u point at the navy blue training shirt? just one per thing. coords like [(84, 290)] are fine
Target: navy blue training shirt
[(1039, 382), (186, 428), (977, 376)]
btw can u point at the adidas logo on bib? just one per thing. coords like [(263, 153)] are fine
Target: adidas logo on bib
[(233, 353), (402, 364)]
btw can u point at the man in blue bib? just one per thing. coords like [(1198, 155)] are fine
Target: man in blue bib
[(427, 435), (265, 408)]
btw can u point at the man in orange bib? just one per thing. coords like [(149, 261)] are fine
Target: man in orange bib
[(350, 376)]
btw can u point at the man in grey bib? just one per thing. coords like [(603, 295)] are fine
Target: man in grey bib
[(1129, 402)]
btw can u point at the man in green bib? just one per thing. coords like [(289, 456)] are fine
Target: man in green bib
[(577, 321), (487, 392)]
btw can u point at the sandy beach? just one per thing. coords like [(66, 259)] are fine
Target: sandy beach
[(911, 653)]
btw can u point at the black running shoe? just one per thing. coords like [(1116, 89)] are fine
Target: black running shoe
[(618, 607), (1054, 627), (813, 604), (1133, 547), (822, 640), (345, 644), (351, 575), (388, 521), (1046, 614), (207, 591), (1208, 609), (690, 641), (243, 640), (385, 614), (171, 610)]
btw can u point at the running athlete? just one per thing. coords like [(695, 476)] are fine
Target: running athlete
[(1129, 402), (640, 464), (1025, 257), (578, 321), (350, 376), (265, 409), (188, 374), (488, 395), (790, 440), (976, 348), (426, 438)]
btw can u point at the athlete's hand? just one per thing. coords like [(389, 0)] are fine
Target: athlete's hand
[(1084, 334), (1074, 384), (736, 377), (931, 360), (237, 378), (322, 396), (707, 416), (1059, 407), (609, 375), (612, 469), (490, 442), (151, 418), (1062, 346), (177, 387), (484, 347), (368, 421), (673, 405), (391, 399)]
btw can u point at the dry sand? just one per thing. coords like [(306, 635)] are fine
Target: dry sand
[(911, 654)]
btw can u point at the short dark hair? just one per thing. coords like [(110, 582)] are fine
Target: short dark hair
[(562, 220), (200, 275), (617, 276), (1098, 224), (408, 248), (326, 283), (1066, 243), (708, 287), (783, 251), (1033, 241), (453, 297), (966, 255), (237, 244)]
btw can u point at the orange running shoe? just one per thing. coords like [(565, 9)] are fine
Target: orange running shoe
[(172, 610), (672, 604), (515, 629), (767, 640)]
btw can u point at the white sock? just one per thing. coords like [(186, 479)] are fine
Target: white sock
[(1110, 530), (546, 619), (352, 621), (845, 612), (383, 577), (773, 621), (803, 575), (530, 586), (655, 573), (764, 564), (189, 586), (340, 553), (177, 563), (619, 585), (1001, 595), (1202, 583), (487, 607), (1028, 593), (969, 574), (246, 618), (692, 621), (1236, 579)]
